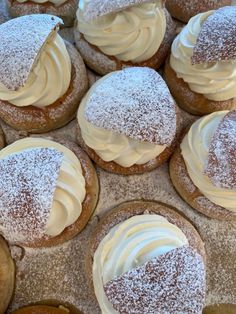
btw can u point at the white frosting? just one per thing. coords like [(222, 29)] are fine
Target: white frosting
[(56, 2), (48, 80), (134, 34), (195, 148), (130, 244), (216, 81), (112, 146), (70, 189)]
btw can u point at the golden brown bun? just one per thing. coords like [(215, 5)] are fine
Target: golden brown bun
[(2, 138), (65, 11), (190, 101), (184, 10), (40, 120), (129, 209), (7, 275), (191, 194), (88, 205), (113, 167), (103, 64), (40, 309)]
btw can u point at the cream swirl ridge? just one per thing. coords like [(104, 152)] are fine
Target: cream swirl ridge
[(70, 188), (134, 34), (216, 81), (56, 2), (48, 80), (112, 146), (195, 148), (131, 244)]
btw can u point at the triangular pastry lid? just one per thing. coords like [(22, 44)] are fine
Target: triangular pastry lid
[(27, 184), (217, 38), (221, 163), (135, 102), (21, 41), (96, 8), (170, 283)]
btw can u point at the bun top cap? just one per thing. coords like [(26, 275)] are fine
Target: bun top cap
[(27, 184), (221, 163), (21, 42), (98, 8), (216, 40), (172, 282)]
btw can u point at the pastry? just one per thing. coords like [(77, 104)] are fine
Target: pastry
[(46, 309), (203, 168), (146, 258), (42, 78), (128, 121), (111, 35), (65, 9), (7, 275), (184, 10), (2, 138), (49, 191), (201, 71)]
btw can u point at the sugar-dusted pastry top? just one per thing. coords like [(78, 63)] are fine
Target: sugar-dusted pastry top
[(216, 41), (195, 151), (216, 81), (132, 34), (98, 8), (37, 69), (128, 117), (131, 244), (63, 199), (56, 2), (221, 163), (171, 283)]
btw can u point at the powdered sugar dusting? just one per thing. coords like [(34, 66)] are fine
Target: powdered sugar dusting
[(96, 8), (21, 40), (216, 41), (135, 102), (221, 163), (173, 282), (27, 184), (194, 7)]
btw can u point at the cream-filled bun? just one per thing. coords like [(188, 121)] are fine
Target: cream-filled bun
[(203, 169), (7, 276), (128, 121), (201, 71), (144, 260), (48, 191), (65, 9), (113, 34), (43, 78)]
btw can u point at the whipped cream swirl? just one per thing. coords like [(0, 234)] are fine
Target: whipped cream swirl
[(56, 2), (130, 244), (216, 81), (195, 148), (70, 189), (134, 34), (49, 79), (112, 146)]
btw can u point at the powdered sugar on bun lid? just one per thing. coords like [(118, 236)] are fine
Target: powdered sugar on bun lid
[(27, 184), (96, 8), (21, 41), (216, 40), (173, 282), (221, 163), (135, 102)]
